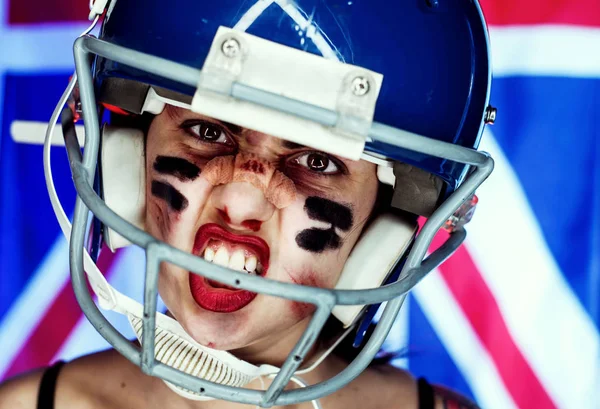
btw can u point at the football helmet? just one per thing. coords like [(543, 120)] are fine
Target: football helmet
[(404, 85)]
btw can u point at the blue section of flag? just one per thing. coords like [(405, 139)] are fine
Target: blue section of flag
[(548, 129), (28, 228), (427, 355)]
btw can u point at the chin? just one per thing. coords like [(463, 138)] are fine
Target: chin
[(223, 331)]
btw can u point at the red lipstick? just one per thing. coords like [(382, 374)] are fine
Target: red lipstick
[(212, 295)]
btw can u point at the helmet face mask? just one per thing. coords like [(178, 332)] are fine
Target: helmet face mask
[(257, 169)]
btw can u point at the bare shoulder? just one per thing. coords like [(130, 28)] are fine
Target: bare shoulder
[(102, 380), (93, 381), (396, 387), (381, 386), (21, 392), (385, 386), (447, 398)]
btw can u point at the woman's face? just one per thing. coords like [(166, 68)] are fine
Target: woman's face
[(254, 203)]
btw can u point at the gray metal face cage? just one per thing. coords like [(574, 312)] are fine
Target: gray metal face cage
[(416, 267)]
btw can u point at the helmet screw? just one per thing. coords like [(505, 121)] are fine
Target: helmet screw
[(360, 86), (490, 115), (231, 47)]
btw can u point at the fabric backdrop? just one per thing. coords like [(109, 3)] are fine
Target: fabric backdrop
[(511, 320)]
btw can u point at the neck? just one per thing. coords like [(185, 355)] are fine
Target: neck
[(275, 350)]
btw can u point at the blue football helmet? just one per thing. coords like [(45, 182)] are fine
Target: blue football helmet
[(404, 85)]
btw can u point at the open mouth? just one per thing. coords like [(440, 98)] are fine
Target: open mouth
[(248, 254)]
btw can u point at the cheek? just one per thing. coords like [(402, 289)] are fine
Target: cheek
[(307, 277), (177, 226), (294, 219), (312, 268), (302, 310)]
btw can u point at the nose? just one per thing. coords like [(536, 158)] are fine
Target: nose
[(242, 206), (243, 203), (247, 189)]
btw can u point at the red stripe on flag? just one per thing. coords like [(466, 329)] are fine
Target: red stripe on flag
[(519, 12), (500, 12), (54, 327), (481, 309), (35, 11)]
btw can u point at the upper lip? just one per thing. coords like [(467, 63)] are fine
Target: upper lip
[(212, 231)]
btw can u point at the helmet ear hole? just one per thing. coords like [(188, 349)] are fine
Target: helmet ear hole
[(418, 191), (123, 179)]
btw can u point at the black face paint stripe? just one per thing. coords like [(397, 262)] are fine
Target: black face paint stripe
[(169, 194), (338, 215), (318, 240), (178, 167), (328, 211)]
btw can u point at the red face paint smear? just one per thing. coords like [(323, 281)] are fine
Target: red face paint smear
[(253, 166), (224, 215), (302, 310), (253, 225)]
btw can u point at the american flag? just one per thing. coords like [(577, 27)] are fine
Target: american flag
[(512, 320)]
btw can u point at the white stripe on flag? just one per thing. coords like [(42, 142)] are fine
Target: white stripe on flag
[(461, 342), (31, 305), (39, 48), (543, 315), (554, 50), (3, 14), (398, 338)]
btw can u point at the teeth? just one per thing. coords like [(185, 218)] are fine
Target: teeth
[(222, 257), (236, 262), (209, 254), (251, 264)]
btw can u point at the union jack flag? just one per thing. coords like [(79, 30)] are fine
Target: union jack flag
[(512, 320)]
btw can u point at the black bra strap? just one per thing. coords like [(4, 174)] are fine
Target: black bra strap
[(48, 386), (426, 394)]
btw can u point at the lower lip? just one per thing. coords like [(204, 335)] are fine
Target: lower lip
[(218, 299)]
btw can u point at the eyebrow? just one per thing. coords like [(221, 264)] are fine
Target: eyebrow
[(232, 128), (292, 145), (176, 114)]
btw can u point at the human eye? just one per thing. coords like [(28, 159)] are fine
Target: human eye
[(318, 162), (208, 132)]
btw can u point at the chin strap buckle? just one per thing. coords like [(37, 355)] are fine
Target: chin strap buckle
[(462, 216)]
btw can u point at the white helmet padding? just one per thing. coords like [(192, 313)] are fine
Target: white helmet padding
[(123, 178)]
